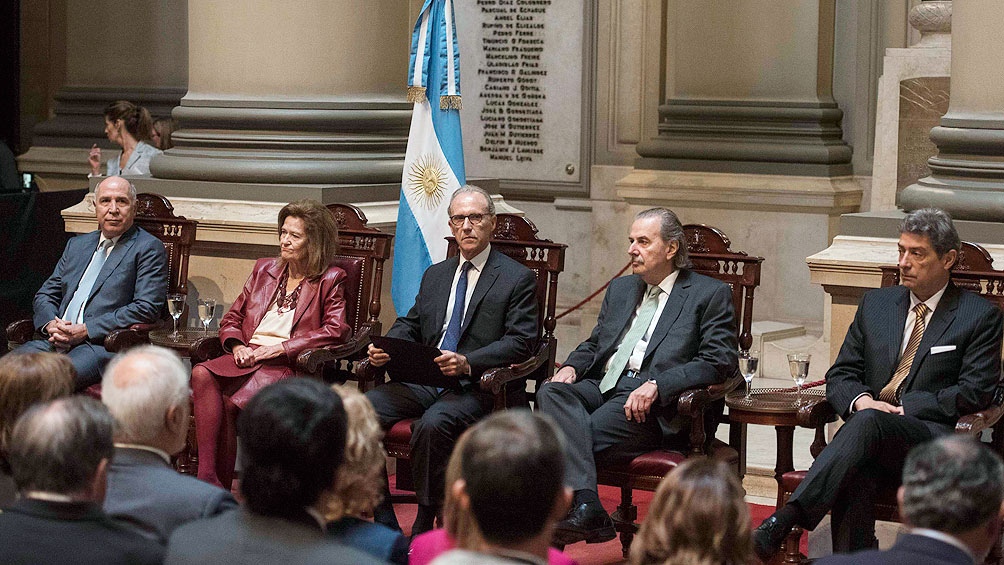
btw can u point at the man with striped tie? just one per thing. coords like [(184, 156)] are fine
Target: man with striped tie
[(108, 279), (916, 358)]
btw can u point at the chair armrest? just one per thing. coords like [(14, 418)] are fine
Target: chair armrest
[(494, 380), (119, 340), (311, 361), (204, 349), (973, 424), (815, 412), (19, 332), (693, 403), (367, 374)]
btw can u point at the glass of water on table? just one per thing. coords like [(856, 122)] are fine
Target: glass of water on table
[(798, 364), (207, 311), (749, 361), (175, 305)]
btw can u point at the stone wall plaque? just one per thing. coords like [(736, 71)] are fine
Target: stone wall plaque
[(521, 81), (922, 103)]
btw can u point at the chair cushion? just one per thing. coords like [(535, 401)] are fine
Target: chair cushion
[(646, 470), (399, 434), (791, 480)]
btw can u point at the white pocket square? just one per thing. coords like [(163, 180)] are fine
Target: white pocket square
[(941, 349)]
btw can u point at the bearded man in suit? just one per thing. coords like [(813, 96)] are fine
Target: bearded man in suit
[(106, 280), (662, 330), (480, 310), (916, 358)]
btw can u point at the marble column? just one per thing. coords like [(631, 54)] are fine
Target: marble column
[(110, 50), (967, 174), (290, 100), (749, 90)]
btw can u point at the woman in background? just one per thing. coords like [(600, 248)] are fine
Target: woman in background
[(698, 517), (162, 130), (358, 485), (130, 127)]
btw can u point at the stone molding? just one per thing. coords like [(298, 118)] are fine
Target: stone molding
[(778, 193), (768, 137)]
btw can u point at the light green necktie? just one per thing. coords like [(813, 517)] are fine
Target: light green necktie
[(638, 328)]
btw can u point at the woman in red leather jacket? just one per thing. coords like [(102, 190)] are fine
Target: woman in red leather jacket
[(289, 304)]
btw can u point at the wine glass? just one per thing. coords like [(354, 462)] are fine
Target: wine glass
[(748, 363), (798, 364), (207, 311), (175, 305)]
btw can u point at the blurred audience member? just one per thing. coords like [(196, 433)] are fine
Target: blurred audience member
[(26, 379), (10, 180), (59, 454), (358, 485), (459, 529), (698, 517), (293, 442), (146, 390), (162, 130), (951, 499), (512, 469), (130, 127)]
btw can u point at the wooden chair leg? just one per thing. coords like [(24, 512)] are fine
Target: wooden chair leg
[(624, 519)]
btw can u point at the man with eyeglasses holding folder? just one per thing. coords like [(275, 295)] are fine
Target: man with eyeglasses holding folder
[(480, 311)]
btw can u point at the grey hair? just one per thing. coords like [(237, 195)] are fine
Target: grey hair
[(139, 387), (952, 484), (469, 188), (934, 224), (670, 229), (132, 187), (58, 446)]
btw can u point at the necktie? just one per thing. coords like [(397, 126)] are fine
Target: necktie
[(452, 336), (891, 392), (75, 310), (638, 327)]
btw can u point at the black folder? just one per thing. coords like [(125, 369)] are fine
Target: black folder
[(412, 362)]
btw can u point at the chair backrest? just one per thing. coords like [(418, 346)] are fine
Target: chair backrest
[(362, 253), (516, 237), (710, 255), (973, 271), (155, 214)]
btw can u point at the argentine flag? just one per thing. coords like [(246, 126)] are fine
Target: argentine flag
[(434, 161)]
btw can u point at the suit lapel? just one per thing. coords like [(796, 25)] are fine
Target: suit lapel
[(123, 246), (263, 299), (485, 281), (76, 271), (442, 299), (942, 317), (621, 314), (674, 305), (895, 330), (307, 292)]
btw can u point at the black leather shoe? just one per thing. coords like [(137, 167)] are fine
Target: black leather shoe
[(587, 522), (769, 537), (384, 514)]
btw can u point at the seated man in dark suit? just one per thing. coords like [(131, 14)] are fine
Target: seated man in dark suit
[(480, 310), (106, 280), (661, 331), (59, 454), (952, 499), (146, 390), (293, 440), (513, 485), (916, 358)]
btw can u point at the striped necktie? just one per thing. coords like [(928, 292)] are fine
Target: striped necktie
[(892, 391)]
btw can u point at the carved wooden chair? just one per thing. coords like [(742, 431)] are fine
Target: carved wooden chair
[(362, 253), (516, 237), (973, 271), (155, 214), (710, 254)]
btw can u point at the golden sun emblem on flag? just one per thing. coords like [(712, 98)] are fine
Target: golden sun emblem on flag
[(427, 180)]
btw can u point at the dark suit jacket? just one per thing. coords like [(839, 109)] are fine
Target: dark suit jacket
[(130, 289), (243, 537), (375, 539), (909, 550), (694, 343), (500, 324), (146, 493), (319, 320), (54, 533), (940, 386)]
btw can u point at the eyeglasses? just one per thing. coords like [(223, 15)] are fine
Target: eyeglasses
[(476, 219)]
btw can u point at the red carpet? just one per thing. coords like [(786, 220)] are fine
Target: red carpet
[(601, 553)]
